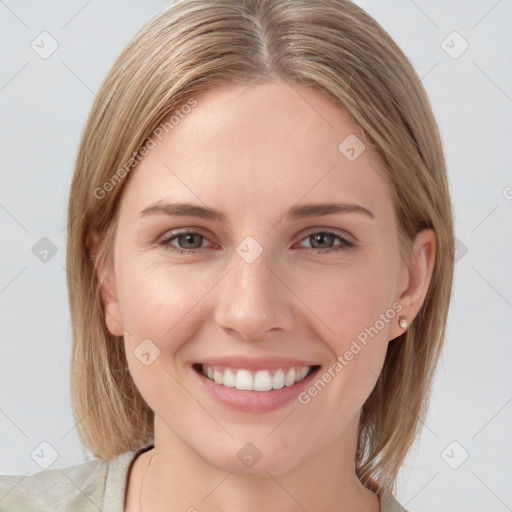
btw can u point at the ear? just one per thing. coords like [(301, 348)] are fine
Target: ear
[(106, 277), (415, 279)]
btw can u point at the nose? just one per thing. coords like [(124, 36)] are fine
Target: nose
[(254, 302)]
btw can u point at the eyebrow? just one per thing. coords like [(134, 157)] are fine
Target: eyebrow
[(294, 213), (316, 209), (184, 210)]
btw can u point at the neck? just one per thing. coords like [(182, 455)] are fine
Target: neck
[(180, 479)]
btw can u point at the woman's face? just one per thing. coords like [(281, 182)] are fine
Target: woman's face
[(227, 261)]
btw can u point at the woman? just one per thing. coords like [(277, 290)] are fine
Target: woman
[(260, 259)]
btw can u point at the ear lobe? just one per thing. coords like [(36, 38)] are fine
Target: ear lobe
[(420, 273), (108, 292)]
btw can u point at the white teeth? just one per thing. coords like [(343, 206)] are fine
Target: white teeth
[(229, 379), (278, 380), (290, 377), (262, 380), (217, 376), (243, 380)]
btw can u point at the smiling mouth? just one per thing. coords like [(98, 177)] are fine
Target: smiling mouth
[(261, 380)]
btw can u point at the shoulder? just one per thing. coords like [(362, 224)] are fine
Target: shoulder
[(388, 503), (59, 489), (74, 488)]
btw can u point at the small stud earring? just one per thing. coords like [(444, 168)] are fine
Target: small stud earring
[(402, 322)]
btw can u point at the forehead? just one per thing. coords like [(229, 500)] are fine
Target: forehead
[(240, 145)]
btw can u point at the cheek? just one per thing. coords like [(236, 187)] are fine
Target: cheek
[(163, 305), (355, 306), (158, 299), (350, 299), (359, 313), (160, 305)]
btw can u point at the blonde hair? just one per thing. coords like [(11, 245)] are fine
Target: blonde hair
[(337, 49)]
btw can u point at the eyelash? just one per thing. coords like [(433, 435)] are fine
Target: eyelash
[(345, 244)]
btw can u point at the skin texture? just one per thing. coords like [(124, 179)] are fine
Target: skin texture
[(254, 152)]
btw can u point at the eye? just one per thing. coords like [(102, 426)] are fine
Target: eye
[(324, 241), (187, 242)]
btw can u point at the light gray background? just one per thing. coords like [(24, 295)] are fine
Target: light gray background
[(44, 104)]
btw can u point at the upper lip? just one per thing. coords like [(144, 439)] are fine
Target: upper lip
[(255, 363)]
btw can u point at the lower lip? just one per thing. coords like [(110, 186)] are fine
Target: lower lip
[(254, 401)]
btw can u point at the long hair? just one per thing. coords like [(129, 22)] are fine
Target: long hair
[(332, 46)]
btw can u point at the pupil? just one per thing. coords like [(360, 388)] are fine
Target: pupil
[(189, 241), (322, 238)]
